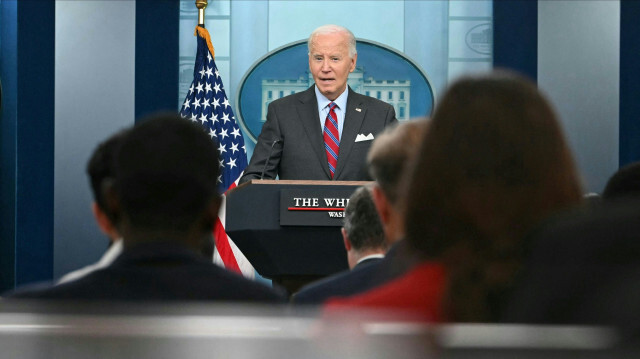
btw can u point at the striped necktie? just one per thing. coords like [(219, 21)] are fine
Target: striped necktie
[(331, 138)]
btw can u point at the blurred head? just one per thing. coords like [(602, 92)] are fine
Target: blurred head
[(362, 230), (492, 165), (624, 183), (165, 184), (100, 168), (388, 160), (332, 56)]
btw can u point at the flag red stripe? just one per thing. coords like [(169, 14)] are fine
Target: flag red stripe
[(233, 185), (224, 249)]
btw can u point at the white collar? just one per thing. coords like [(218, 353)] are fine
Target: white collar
[(341, 101), (370, 256)]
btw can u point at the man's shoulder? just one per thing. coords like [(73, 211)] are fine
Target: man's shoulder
[(74, 289), (344, 283), (190, 280), (107, 258)]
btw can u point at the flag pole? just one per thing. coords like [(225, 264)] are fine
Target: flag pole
[(201, 5)]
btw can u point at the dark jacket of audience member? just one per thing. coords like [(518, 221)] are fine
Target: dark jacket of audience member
[(164, 202), (493, 164)]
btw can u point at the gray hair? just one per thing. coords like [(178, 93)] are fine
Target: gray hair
[(362, 223), (331, 29)]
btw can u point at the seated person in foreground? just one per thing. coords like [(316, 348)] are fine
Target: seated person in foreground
[(164, 202), (493, 164), (324, 132), (365, 244), (99, 169)]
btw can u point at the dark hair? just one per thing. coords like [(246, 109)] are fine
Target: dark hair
[(362, 222), (492, 165), (625, 182), (166, 173), (101, 166), (391, 153)]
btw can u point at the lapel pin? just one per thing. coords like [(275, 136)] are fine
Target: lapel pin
[(358, 109)]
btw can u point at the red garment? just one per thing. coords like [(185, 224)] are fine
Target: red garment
[(419, 294)]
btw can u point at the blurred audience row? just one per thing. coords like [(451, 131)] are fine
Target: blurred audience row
[(475, 215)]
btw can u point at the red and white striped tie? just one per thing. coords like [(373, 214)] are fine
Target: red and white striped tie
[(331, 138)]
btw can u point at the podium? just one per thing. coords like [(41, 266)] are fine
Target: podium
[(290, 230)]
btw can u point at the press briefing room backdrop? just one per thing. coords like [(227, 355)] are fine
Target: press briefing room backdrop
[(74, 72)]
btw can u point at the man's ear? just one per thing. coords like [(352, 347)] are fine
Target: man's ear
[(354, 60), (345, 239), (104, 222)]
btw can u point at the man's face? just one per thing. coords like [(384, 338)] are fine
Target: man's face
[(330, 64)]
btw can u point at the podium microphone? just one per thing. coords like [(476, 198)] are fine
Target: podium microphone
[(277, 140)]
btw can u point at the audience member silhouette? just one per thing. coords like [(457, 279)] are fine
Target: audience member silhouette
[(493, 164), (163, 201)]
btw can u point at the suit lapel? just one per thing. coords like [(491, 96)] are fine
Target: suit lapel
[(352, 122), (308, 114)]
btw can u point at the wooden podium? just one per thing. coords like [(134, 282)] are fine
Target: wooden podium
[(290, 230)]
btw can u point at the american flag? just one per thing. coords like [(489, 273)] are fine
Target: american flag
[(207, 104)]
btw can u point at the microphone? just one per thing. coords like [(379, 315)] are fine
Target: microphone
[(277, 140)]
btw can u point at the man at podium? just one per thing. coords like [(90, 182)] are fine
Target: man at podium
[(324, 132)]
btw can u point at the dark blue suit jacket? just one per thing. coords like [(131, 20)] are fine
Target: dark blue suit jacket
[(364, 276), (159, 272), (345, 283)]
